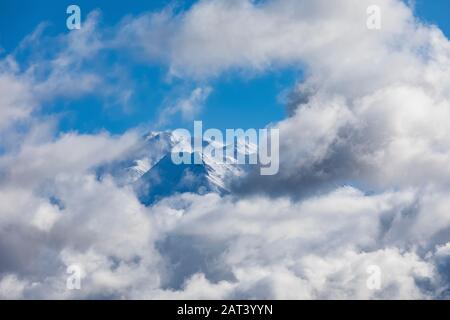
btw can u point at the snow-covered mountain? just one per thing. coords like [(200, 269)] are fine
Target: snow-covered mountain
[(149, 168)]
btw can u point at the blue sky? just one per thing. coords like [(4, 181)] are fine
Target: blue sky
[(236, 100)]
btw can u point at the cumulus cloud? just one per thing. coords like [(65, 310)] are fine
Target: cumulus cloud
[(214, 36), (319, 248), (225, 248), (16, 101), (74, 153)]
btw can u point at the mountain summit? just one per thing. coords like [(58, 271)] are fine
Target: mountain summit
[(149, 168)]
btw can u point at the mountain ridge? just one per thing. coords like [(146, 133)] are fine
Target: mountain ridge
[(149, 169)]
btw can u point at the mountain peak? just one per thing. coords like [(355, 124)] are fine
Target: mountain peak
[(149, 168)]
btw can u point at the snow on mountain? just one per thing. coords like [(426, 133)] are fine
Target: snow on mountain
[(139, 159), (149, 168)]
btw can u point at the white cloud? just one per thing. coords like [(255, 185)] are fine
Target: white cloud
[(316, 249), (69, 154), (11, 287), (214, 36), (187, 107), (16, 102)]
